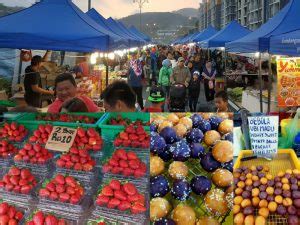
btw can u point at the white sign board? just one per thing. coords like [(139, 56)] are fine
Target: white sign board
[(61, 138), (263, 133)]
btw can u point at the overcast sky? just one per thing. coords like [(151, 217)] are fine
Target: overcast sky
[(120, 8)]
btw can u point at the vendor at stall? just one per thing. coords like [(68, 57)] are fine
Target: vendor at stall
[(33, 82), (66, 89)]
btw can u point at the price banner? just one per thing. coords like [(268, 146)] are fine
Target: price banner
[(61, 139), (263, 133)]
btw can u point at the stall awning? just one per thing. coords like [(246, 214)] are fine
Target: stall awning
[(144, 36), (205, 34)]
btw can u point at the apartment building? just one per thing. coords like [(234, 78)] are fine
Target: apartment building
[(250, 13)]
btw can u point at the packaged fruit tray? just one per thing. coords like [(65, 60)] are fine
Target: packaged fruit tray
[(110, 131), (8, 160), (16, 213), (112, 219), (285, 160)]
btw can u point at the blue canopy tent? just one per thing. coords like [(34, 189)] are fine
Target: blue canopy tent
[(98, 18), (205, 34), (135, 30), (130, 32), (286, 44), (231, 32), (286, 20), (186, 39), (55, 25)]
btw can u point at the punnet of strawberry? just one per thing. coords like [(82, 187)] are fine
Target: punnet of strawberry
[(33, 153), (41, 218), (122, 196), (120, 121), (126, 163), (135, 137), (7, 149), (88, 139), (9, 214), (18, 180), (66, 118), (13, 132), (75, 159), (62, 188), (41, 134)]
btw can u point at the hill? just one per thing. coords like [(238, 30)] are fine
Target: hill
[(4, 10), (188, 12)]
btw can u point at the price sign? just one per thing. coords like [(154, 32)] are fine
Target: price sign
[(61, 138), (263, 133)]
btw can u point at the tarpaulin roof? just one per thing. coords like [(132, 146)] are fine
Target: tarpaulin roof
[(231, 32), (284, 21), (130, 32), (205, 34), (55, 25), (135, 30), (286, 44)]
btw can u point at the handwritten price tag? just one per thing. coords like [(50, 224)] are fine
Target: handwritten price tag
[(61, 139), (264, 134)]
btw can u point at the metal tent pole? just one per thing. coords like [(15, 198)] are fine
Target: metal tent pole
[(270, 83), (20, 69), (260, 84)]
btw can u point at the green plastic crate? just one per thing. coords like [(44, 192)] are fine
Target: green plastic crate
[(30, 118), (109, 132), (11, 117)]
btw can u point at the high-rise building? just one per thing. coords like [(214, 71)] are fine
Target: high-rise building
[(249, 13)]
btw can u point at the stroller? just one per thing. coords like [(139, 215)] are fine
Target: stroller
[(177, 98)]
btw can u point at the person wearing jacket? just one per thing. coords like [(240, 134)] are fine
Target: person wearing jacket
[(164, 76), (181, 74), (194, 91)]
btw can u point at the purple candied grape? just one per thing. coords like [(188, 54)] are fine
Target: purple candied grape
[(263, 188), (228, 137), (281, 210), (157, 143), (235, 180), (292, 210), (159, 186), (296, 194), (204, 126), (215, 122), (256, 183), (270, 183), (294, 187), (164, 221), (259, 168), (181, 190), (278, 191), (249, 188), (261, 175), (293, 220), (228, 165), (208, 163), (169, 134), (180, 151), (293, 180), (270, 198), (195, 135), (153, 128), (197, 150), (200, 185), (196, 119), (277, 179), (287, 194), (263, 195), (165, 154)]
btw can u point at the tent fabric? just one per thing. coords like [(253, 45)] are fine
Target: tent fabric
[(205, 34), (231, 32), (286, 44), (259, 40), (130, 32), (135, 30), (55, 25)]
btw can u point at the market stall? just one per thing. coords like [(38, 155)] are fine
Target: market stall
[(75, 168)]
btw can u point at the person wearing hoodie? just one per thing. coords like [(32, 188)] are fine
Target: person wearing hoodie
[(164, 76), (194, 91)]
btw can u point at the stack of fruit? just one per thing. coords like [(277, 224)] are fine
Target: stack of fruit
[(64, 189), (182, 146), (88, 139), (41, 135), (135, 137), (67, 118), (9, 214), (75, 159), (41, 218), (7, 149), (13, 132), (18, 180), (122, 196), (125, 163), (120, 121), (34, 154)]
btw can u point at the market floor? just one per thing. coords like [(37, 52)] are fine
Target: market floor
[(203, 105)]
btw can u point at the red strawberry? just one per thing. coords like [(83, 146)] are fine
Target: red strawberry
[(107, 191), (113, 162), (61, 222), (44, 193), (64, 197), (133, 198), (50, 186), (139, 173), (60, 179), (12, 212), (60, 188), (138, 208), (91, 132), (53, 196), (19, 215), (87, 167), (134, 164), (25, 189), (124, 205), (115, 185), (4, 207), (123, 136), (127, 172), (71, 181), (106, 168), (129, 188), (113, 203), (38, 218), (14, 171), (123, 163), (121, 153), (60, 163), (78, 167), (80, 132), (102, 200), (83, 153), (4, 219), (131, 155), (51, 220), (75, 199), (120, 195)]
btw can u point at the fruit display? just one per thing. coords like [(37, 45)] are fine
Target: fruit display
[(260, 196), (62, 188), (75, 159), (67, 118), (34, 154), (122, 196), (120, 121), (9, 214), (18, 180), (135, 137), (13, 132), (88, 139), (7, 149), (126, 163), (41, 218), (41, 134), (191, 168)]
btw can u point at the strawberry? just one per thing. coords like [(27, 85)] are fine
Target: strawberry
[(113, 203), (60, 163), (139, 173), (106, 168), (71, 181), (115, 185), (134, 164), (113, 162), (44, 193), (124, 205), (107, 191), (51, 220), (4, 207), (60, 188), (53, 196), (19, 215), (91, 132), (123, 163), (14, 171), (120, 195), (123, 136), (75, 199), (4, 219), (25, 189), (102, 200), (131, 155), (12, 222), (138, 208), (50, 186), (61, 222), (64, 197), (38, 218), (129, 188), (127, 172), (133, 198), (80, 132), (60, 179), (121, 153)]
